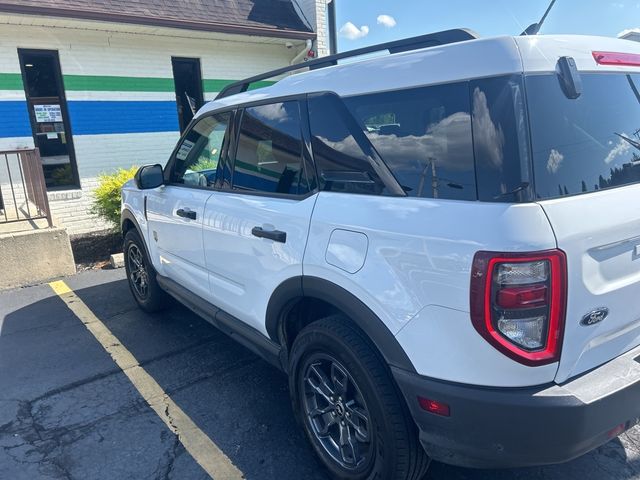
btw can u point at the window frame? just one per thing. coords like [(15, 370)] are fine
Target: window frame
[(168, 168), (307, 163), (373, 157), (73, 161)]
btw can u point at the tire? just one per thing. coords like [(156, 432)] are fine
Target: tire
[(334, 351), (140, 273)]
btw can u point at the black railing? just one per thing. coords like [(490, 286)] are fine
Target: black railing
[(23, 192), (405, 45)]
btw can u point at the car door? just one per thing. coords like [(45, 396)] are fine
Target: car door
[(255, 229), (175, 211)]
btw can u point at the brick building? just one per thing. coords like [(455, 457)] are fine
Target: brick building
[(101, 84)]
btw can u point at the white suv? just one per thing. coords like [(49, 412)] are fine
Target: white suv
[(440, 247)]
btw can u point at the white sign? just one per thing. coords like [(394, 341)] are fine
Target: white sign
[(184, 149), (47, 113)]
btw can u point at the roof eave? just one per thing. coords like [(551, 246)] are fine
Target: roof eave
[(158, 22)]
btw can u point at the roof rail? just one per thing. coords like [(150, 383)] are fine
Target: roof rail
[(404, 45)]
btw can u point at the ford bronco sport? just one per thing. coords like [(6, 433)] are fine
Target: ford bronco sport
[(440, 247)]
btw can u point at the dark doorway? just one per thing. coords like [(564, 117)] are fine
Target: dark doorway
[(188, 81), (47, 106)]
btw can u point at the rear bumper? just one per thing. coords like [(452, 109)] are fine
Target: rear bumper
[(517, 427)]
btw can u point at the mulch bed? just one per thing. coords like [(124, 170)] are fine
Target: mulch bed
[(92, 250)]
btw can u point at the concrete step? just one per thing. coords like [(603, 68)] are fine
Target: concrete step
[(30, 257)]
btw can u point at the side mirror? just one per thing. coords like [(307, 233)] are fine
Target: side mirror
[(149, 176)]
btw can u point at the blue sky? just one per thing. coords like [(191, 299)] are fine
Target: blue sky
[(488, 17)]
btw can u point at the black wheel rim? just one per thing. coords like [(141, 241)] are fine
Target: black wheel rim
[(336, 412), (138, 275)]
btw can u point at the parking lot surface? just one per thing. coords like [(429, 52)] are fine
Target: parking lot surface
[(68, 411)]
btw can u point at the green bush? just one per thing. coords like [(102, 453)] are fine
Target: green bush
[(107, 196), (204, 164)]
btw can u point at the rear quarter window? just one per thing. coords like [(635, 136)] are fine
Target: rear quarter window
[(424, 137), (458, 141)]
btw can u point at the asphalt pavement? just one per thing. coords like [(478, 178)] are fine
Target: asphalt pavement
[(67, 410)]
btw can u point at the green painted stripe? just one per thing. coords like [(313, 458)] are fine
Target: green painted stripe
[(11, 81), (103, 83), (214, 85)]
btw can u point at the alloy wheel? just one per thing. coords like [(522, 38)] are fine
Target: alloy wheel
[(138, 275), (336, 411)]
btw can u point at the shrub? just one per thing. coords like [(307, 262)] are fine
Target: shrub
[(107, 196), (204, 164)]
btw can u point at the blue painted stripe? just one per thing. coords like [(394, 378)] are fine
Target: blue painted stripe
[(14, 119), (104, 117)]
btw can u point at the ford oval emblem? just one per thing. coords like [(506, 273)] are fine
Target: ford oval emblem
[(594, 316)]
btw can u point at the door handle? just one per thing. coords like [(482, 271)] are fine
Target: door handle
[(190, 214), (275, 235)]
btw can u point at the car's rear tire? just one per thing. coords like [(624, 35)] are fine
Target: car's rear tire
[(350, 409), (141, 275)]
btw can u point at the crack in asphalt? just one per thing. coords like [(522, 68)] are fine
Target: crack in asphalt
[(46, 446)]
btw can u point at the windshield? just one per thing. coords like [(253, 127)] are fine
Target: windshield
[(587, 144)]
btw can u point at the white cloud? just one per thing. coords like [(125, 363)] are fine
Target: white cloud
[(274, 112), (621, 148), (387, 20), (630, 32), (555, 160), (350, 31), (617, 4), (489, 137)]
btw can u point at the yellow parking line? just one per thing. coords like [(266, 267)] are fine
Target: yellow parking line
[(194, 440)]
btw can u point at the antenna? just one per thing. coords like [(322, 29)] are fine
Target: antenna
[(534, 28)]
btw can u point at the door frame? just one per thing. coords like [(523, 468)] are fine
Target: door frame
[(200, 98), (63, 106)]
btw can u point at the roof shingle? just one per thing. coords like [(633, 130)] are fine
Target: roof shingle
[(259, 17)]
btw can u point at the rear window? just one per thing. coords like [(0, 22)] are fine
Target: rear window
[(587, 144), (458, 141)]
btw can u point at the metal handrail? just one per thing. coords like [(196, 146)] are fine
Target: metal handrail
[(28, 179), (397, 46)]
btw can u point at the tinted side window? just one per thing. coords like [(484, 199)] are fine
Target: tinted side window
[(424, 137), (500, 138), (200, 151), (269, 153), (587, 144), (341, 161)]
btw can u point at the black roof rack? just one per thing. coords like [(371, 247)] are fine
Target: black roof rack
[(404, 45)]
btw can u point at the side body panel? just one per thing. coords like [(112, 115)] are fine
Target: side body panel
[(133, 201), (245, 270), (175, 242), (416, 275)]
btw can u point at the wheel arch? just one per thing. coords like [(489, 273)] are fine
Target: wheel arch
[(127, 222), (302, 288)]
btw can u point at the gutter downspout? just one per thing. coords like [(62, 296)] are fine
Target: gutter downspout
[(302, 54)]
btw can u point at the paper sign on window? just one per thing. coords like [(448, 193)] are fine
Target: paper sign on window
[(47, 113), (184, 150)]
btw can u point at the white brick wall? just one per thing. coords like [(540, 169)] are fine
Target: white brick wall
[(83, 51), (315, 11)]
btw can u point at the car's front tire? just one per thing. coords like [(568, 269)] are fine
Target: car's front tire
[(141, 275), (349, 407)]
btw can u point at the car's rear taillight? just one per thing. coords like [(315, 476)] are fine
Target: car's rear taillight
[(518, 303)]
